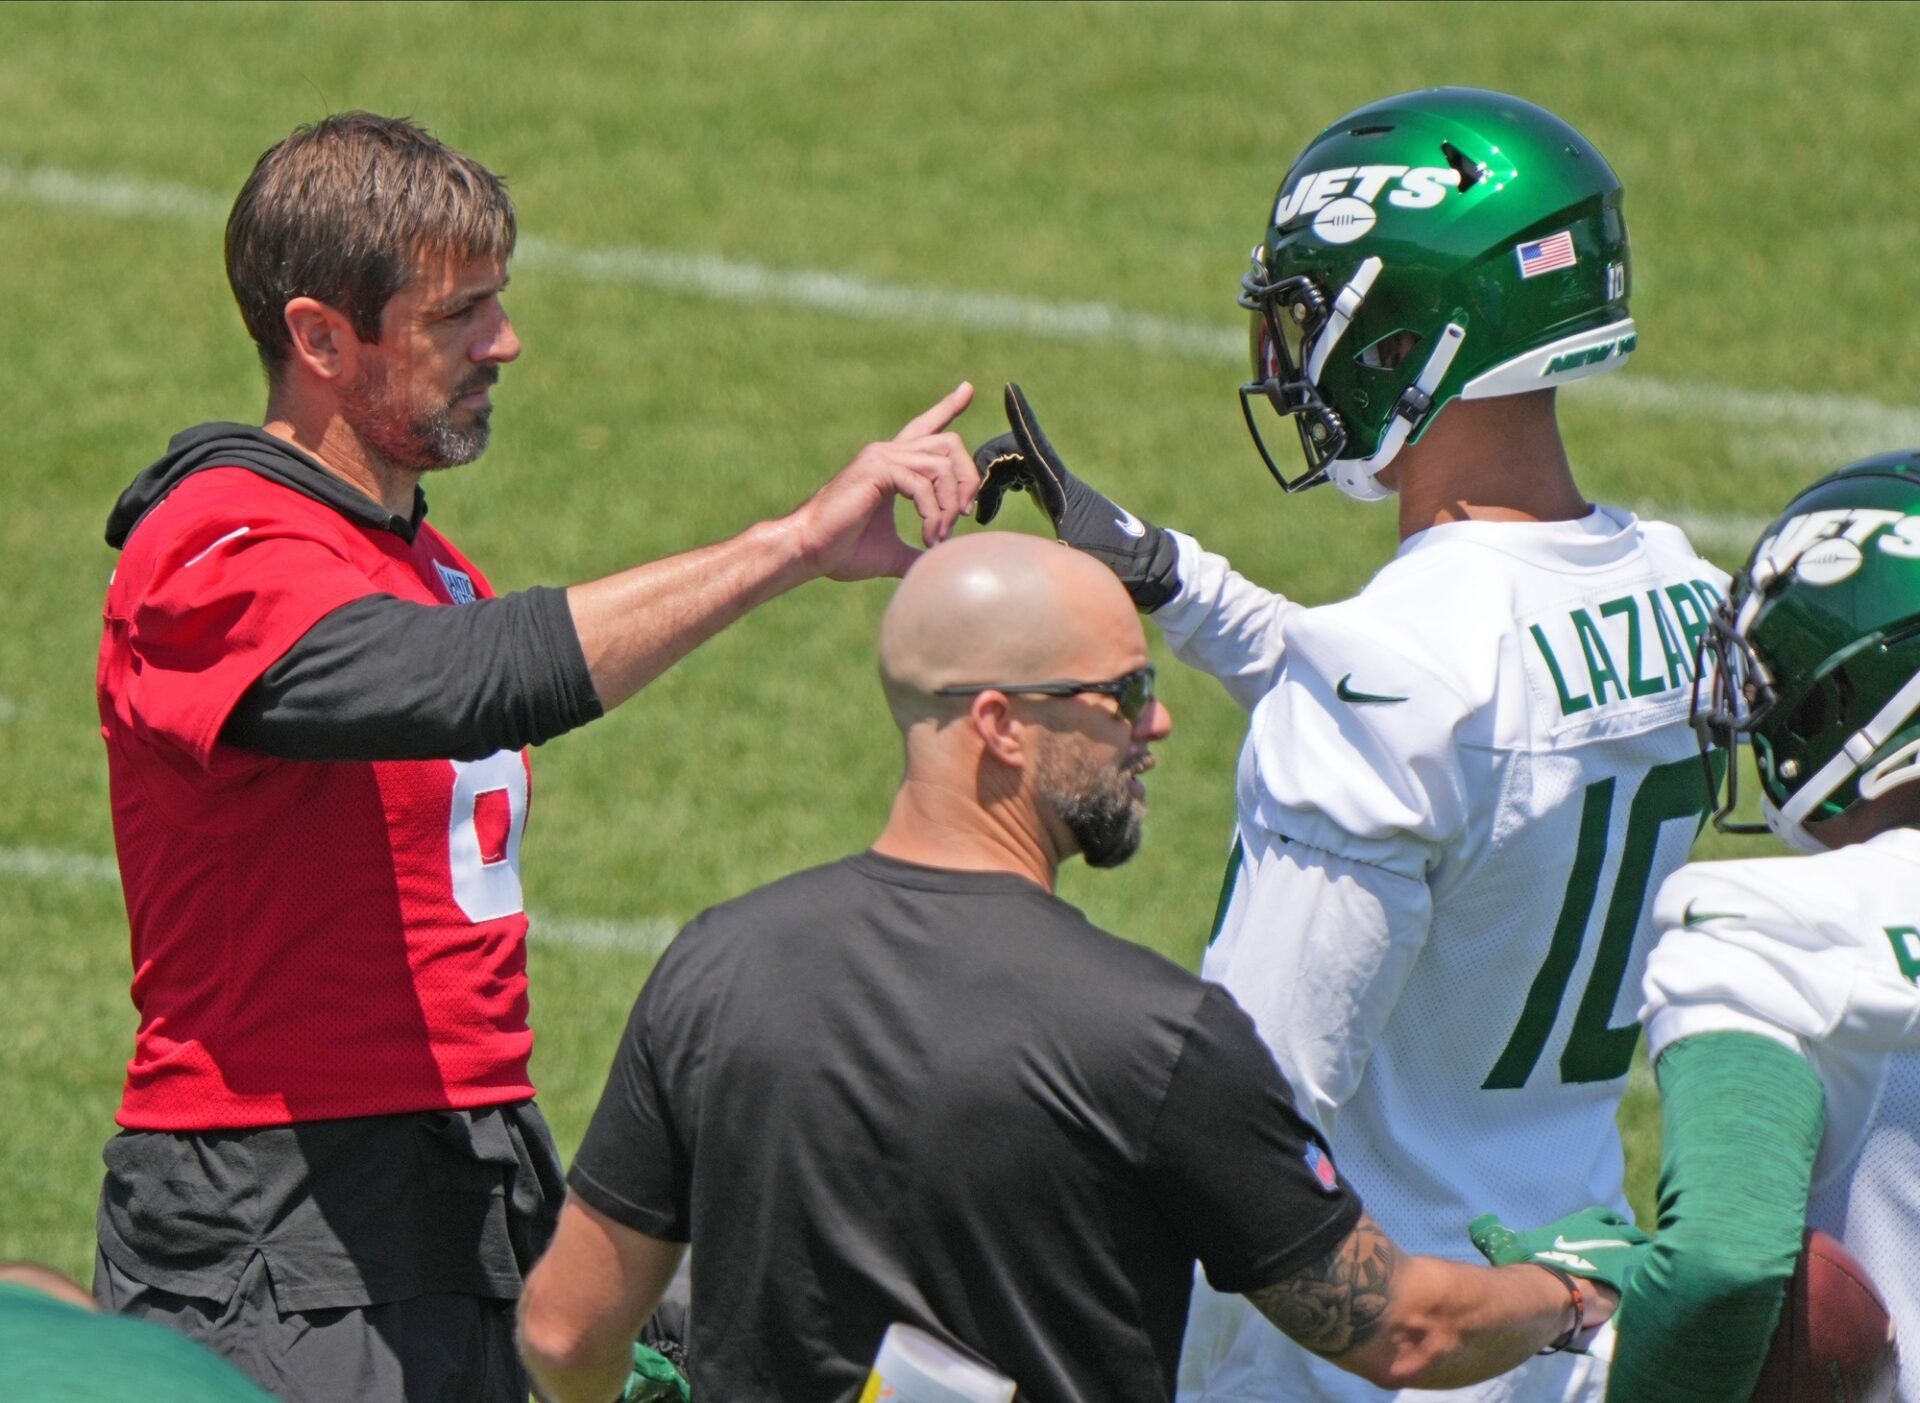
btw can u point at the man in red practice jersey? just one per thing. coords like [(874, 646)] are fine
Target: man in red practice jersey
[(316, 714)]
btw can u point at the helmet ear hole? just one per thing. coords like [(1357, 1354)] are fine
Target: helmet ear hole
[(1823, 708), (1391, 351)]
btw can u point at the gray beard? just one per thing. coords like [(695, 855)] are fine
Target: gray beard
[(1095, 803), (407, 438)]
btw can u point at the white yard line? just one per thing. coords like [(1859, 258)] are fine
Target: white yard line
[(648, 936), (735, 280), (1707, 531), (1809, 429), (50, 864)]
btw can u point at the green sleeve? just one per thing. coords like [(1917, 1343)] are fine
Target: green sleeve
[(1740, 1119)]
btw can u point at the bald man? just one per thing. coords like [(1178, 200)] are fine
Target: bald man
[(916, 1086)]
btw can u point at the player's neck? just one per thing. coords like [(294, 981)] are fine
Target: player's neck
[(940, 825), (326, 437), (1488, 460)]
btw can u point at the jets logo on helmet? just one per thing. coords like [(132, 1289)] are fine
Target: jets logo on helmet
[(1420, 188), (1814, 659), (1438, 245)]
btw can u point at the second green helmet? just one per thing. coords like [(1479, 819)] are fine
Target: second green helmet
[(1815, 656), (1449, 243)]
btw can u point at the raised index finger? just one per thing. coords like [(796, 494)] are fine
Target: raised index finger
[(941, 415)]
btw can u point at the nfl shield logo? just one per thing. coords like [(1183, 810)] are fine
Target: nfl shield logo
[(458, 582), (1322, 1166)]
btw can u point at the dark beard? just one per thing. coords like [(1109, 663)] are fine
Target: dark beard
[(407, 438), (1095, 803)]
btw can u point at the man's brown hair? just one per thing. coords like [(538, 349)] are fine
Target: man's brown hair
[(343, 211)]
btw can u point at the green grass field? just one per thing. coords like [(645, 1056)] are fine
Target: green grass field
[(1057, 154)]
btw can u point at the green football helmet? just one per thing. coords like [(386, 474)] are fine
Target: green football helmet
[(1815, 656), (1440, 244)]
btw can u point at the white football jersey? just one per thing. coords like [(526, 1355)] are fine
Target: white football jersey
[(1819, 953), (1459, 791)]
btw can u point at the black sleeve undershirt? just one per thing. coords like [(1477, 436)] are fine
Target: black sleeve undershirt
[(381, 678)]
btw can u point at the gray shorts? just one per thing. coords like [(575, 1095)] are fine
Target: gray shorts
[(427, 1349)]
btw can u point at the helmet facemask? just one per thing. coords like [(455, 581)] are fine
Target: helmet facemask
[(1297, 329), (1733, 694), (1292, 320)]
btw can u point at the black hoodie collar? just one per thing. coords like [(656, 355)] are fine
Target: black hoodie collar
[(253, 448)]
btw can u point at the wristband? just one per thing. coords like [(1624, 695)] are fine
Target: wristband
[(1577, 1302)]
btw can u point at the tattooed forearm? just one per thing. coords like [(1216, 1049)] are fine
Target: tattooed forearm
[(1337, 1303)]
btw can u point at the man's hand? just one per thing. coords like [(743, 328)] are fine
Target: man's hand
[(1595, 1243), (1140, 553), (846, 528)]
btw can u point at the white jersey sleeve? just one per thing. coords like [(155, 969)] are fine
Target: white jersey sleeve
[(1358, 748), (1813, 952), (1224, 624), (1336, 940), (1350, 791)]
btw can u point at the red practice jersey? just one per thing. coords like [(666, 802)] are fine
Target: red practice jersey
[(311, 940)]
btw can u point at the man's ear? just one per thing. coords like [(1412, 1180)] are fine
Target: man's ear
[(325, 344), (1005, 737)]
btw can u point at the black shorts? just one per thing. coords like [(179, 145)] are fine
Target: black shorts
[(375, 1259), (430, 1349)]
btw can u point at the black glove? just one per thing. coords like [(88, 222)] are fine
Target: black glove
[(1140, 553)]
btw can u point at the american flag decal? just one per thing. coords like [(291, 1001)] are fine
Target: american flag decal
[(1545, 255), (1322, 1167)]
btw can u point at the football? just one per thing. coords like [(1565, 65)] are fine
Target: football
[(1834, 1343)]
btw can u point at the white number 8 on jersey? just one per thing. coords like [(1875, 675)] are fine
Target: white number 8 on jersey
[(483, 842)]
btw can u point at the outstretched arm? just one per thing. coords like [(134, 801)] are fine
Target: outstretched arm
[(635, 625), (1741, 1118), (1215, 619), (1254, 1191), (1226, 625), (1419, 1322), (380, 678)]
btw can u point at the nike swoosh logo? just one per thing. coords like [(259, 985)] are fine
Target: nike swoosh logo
[(1130, 523), (1588, 1244), (1346, 694), (1691, 918)]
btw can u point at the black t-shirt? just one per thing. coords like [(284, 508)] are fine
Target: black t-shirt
[(877, 1092)]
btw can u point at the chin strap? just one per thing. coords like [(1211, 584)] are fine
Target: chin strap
[(1357, 477), (1901, 767)]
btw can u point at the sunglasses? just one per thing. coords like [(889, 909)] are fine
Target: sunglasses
[(1132, 692)]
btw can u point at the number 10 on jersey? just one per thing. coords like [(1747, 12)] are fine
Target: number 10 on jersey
[(1596, 1050)]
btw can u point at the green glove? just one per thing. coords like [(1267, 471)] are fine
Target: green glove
[(1596, 1243), (654, 1379)]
